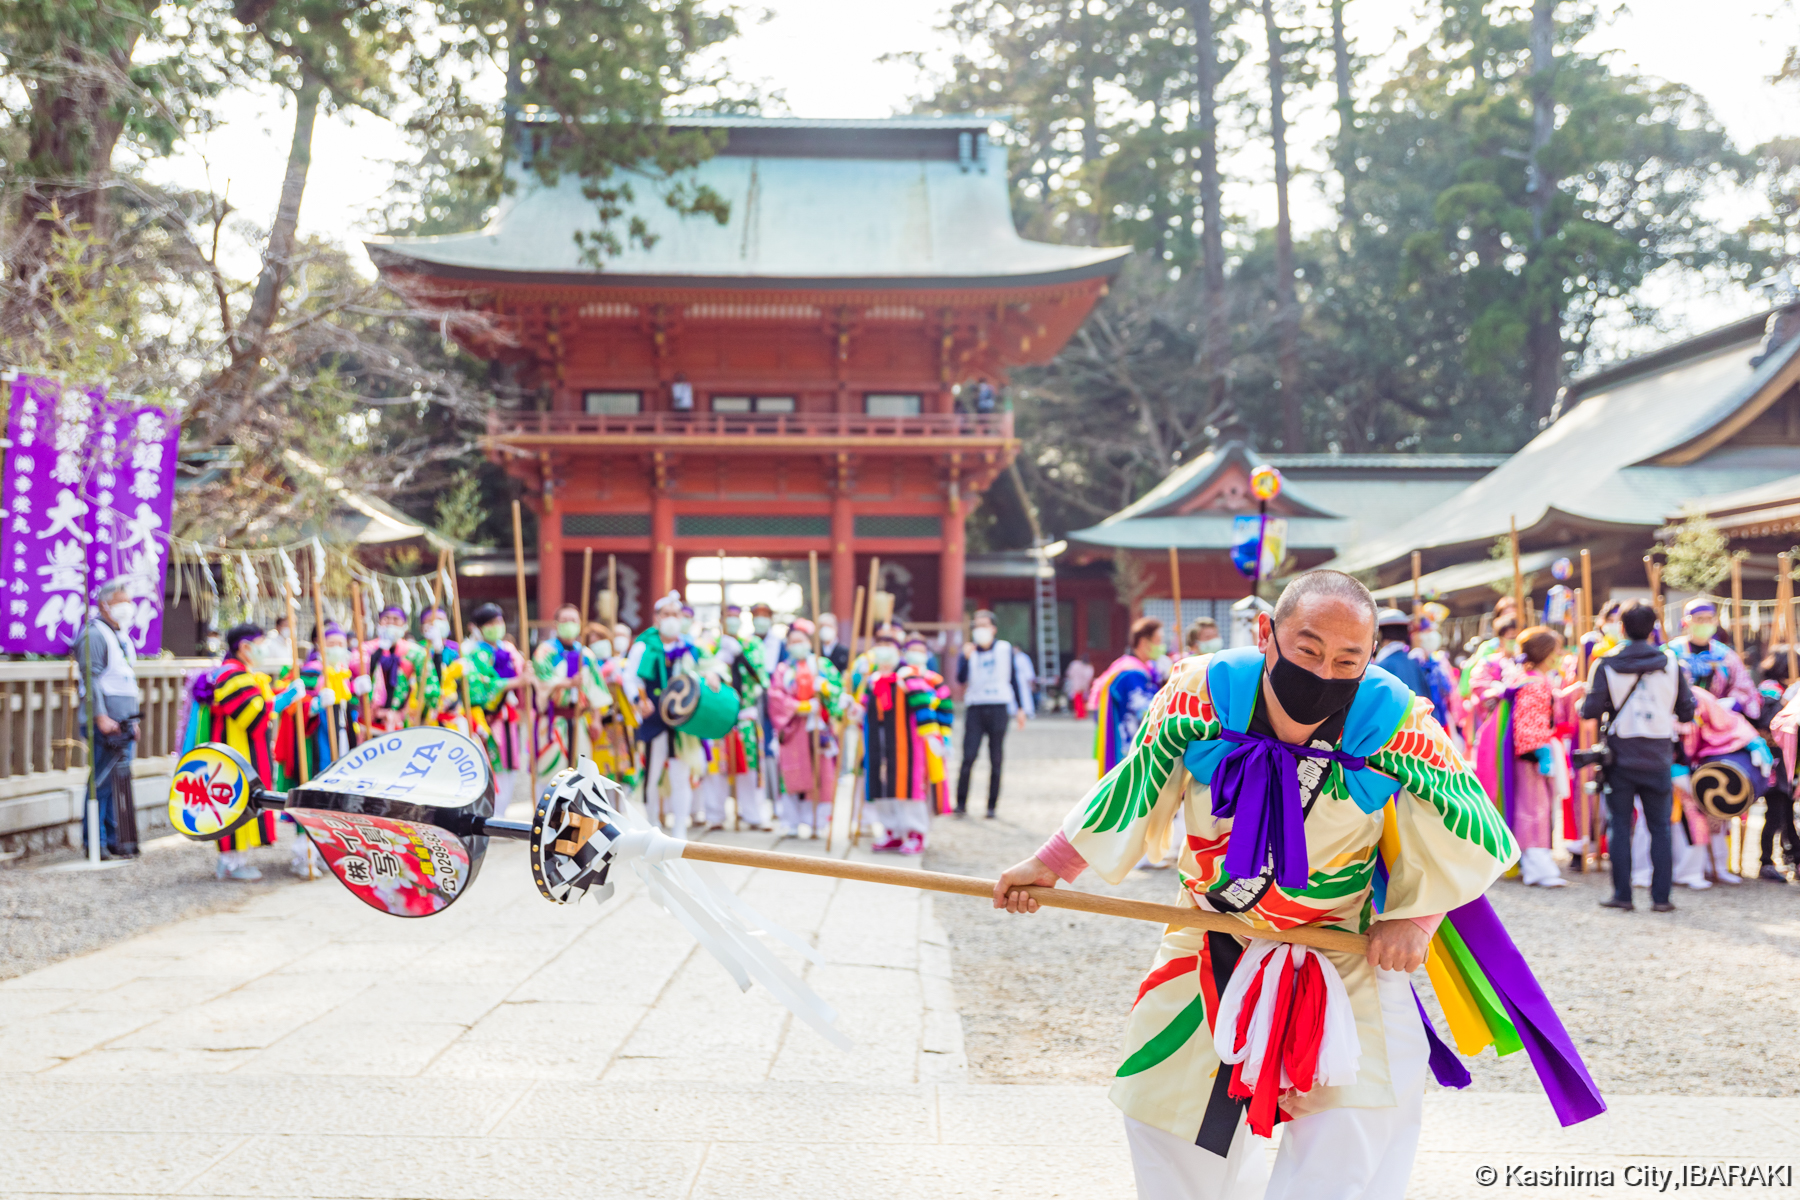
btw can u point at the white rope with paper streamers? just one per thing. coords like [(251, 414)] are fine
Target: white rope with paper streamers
[(584, 809), (252, 585), (290, 573)]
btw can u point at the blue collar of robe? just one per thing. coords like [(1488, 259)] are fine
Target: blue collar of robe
[(1382, 703)]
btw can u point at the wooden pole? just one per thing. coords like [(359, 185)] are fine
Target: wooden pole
[(1737, 605), (1523, 616), (1784, 604), (462, 649), (300, 763), (722, 593), (854, 832), (319, 645), (1416, 563), (612, 585), (1653, 574), (362, 639), (587, 587), (525, 642), (874, 587), (856, 617), (818, 761), (1179, 640), (669, 566), (1065, 898)]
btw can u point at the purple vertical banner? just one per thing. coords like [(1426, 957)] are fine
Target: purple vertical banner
[(133, 493), (43, 541)]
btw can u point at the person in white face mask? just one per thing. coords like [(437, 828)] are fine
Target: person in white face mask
[(392, 661), (568, 692), (1428, 653), (996, 688), (109, 676), (660, 653), (437, 700), (806, 697)]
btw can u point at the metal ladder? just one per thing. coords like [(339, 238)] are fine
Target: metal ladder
[(1049, 637)]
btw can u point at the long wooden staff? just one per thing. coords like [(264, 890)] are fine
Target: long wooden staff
[(453, 599), (818, 761), (525, 641), (1179, 641), (1068, 898), (362, 641), (587, 585), (856, 776), (1589, 810), (1416, 564), (1519, 612), (319, 646), (300, 763)]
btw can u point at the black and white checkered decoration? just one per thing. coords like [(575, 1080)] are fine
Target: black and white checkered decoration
[(579, 808)]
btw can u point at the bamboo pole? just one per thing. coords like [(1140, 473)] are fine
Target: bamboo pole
[(448, 561), (854, 832), (587, 586), (1523, 616), (874, 587), (722, 592), (1416, 563), (1179, 640), (525, 641), (319, 646), (362, 640), (300, 763), (818, 761), (1784, 605), (612, 586), (1737, 605), (1066, 898)]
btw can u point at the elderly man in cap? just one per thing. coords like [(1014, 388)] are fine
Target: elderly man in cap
[(109, 677), (1393, 653)]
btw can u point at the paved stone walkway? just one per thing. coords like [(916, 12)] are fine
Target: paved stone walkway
[(306, 1046)]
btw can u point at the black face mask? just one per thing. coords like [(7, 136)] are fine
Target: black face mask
[(1305, 697)]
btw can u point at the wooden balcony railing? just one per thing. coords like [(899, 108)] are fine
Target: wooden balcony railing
[(754, 433)]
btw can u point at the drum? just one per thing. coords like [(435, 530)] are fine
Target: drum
[(396, 818), (702, 708), (1726, 784)]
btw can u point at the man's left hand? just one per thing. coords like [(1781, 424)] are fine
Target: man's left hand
[(1021, 720), (1397, 946)]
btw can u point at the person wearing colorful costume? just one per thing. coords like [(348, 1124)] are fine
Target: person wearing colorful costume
[(1318, 791), (437, 698), (1121, 696), (1711, 665), (735, 768), (237, 705), (1778, 801), (905, 706), (1440, 674), (806, 699), (568, 687), (1526, 770), (1719, 731), (498, 698), (392, 663), (611, 728), (661, 652), (1607, 634)]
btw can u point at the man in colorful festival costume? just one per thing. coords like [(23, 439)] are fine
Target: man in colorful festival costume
[(1317, 791)]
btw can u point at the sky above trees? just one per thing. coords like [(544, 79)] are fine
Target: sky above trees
[(840, 47)]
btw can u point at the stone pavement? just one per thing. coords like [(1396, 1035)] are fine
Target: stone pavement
[(306, 1046)]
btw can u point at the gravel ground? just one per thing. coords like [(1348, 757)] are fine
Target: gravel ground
[(1700, 1002), (47, 915)]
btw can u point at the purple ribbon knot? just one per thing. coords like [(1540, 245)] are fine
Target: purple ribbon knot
[(1258, 786)]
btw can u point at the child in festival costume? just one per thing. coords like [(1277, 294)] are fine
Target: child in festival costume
[(392, 663), (660, 653), (437, 700), (736, 765), (568, 687), (236, 705), (806, 695), (937, 718), (1122, 694), (498, 694), (1318, 791), (1533, 776), (900, 721)]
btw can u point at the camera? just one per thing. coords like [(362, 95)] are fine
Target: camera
[(1599, 755)]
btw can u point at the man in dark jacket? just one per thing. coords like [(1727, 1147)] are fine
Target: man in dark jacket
[(1394, 656), (1646, 692)]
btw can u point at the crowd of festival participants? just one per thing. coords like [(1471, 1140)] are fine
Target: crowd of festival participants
[(595, 690), (1513, 703)]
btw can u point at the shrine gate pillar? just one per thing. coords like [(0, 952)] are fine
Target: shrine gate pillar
[(662, 533), (843, 560), (950, 562)]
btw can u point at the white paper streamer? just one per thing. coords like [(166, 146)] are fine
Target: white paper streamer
[(318, 562), (723, 922), (290, 572), (252, 586)]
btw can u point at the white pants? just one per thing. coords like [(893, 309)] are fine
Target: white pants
[(1537, 865), (795, 812), (714, 789), (680, 805), (1338, 1154), (901, 817)]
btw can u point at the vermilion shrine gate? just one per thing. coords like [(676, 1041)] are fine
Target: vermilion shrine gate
[(780, 383)]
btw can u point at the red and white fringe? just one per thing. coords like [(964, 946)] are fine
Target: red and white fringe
[(1284, 1026)]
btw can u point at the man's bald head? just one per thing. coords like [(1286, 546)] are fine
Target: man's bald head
[(1324, 623)]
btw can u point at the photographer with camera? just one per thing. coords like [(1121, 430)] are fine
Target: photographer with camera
[(1645, 693)]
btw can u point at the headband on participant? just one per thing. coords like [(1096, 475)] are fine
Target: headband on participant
[(392, 610)]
